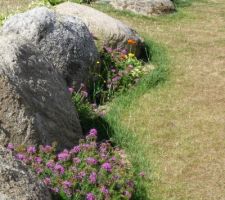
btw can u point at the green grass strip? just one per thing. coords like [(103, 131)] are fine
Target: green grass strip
[(120, 134)]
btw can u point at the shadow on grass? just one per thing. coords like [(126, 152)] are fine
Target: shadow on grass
[(186, 3), (95, 121), (182, 3), (110, 126)]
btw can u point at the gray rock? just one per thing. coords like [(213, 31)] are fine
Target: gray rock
[(36, 107), (143, 7), (64, 40), (108, 31), (17, 182)]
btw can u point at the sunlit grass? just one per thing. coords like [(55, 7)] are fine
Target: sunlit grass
[(172, 124)]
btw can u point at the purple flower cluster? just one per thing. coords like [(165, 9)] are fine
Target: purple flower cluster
[(20, 156), (90, 165), (107, 167), (47, 181), (76, 160), (91, 161), (50, 164), (92, 134), (80, 175), (75, 149), (90, 196), (105, 191), (46, 149), (39, 170), (70, 90), (10, 146), (59, 169), (64, 156), (31, 149), (67, 184), (38, 159), (93, 177)]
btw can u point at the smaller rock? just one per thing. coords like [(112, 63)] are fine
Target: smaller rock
[(143, 7), (17, 182), (109, 32)]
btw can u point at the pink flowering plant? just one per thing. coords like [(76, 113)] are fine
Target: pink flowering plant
[(88, 171)]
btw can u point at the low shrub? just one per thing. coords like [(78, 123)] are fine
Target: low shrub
[(88, 171), (2, 18), (54, 2), (118, 70), (86, 111)]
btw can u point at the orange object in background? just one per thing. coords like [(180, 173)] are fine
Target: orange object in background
[(131, 42)]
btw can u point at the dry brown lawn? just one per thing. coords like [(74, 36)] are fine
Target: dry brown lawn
[(10, 6), (182, 125)]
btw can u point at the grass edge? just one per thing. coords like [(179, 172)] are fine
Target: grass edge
[(121, 135)]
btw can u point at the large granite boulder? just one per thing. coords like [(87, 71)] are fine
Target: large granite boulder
[(64, 40), (35, 106), (109, 32), (17, 182), (143, 7)]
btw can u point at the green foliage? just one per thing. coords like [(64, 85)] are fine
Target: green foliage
[(82, 105), (182, 3), (53, 2), (2, 18), (88, 115), (88, 118), (82, 1), (117, 72)]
